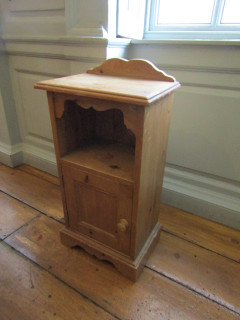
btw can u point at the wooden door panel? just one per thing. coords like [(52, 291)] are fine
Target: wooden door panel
[(96, 208), (96, 205)]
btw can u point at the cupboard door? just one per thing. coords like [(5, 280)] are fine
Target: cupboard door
[(99, 207)]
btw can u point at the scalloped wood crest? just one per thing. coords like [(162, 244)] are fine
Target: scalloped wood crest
[(136, 68)]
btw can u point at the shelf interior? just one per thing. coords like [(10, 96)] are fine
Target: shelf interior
[(113, 159), (96, 140)]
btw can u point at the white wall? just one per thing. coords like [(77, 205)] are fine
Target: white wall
[(46, 39)]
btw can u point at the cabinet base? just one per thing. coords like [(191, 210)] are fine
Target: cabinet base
[(131, 269)]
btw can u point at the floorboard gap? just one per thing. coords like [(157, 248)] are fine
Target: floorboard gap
[(194, 291), (23, 225), (199, 245), (32, 207)]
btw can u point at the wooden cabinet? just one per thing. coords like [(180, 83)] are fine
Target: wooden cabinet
[(110, 128)]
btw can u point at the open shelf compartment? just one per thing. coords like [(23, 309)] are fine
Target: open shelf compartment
[(96, 141), (112, 159)]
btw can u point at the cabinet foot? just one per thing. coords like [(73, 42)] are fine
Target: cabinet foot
[(131, 269)]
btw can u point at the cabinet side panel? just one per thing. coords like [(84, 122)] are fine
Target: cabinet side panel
[(153, 158), (52, 107)]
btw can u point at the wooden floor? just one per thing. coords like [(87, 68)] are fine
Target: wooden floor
[(194, 272)]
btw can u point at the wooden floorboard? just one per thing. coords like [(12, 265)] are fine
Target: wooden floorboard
[(152, 296), (13, 214), (38, 173), (32, 190), (28, 292), (192, 274), (205, 272), (208, 234)]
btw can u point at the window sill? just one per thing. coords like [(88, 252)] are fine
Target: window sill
[(186, 41)]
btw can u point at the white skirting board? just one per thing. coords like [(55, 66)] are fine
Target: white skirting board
[(11, 155), (207, 196)]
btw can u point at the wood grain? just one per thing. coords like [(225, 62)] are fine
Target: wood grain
[(152, 297), (135, 68), (13, 214), (203, 271), (57, 147), (115, 160), (151, 158), (206, 233), (38, 173), (34, 191), (28, 292), (136, 91), (95, 206)]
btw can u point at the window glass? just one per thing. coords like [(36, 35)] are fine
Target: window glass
[(185, 11), (231, 12)]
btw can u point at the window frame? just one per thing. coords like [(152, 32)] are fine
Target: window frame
[(213, 31)]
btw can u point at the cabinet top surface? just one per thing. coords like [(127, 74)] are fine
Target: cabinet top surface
[(124, 89)]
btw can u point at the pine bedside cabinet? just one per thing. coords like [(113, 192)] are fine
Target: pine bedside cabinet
[(110, 128)]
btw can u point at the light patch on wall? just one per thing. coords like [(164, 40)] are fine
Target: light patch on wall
[(4, 135), (34, 105), (29, 5), (205, 131)]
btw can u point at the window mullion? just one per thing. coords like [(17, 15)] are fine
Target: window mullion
[(217, 13), (153, 7)]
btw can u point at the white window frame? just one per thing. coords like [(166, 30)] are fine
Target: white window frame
[(213, 31), (138, 22)]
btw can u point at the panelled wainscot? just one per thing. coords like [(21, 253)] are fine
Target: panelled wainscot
[(110, 128)]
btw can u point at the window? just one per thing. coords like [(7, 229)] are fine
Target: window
[(180, 19)]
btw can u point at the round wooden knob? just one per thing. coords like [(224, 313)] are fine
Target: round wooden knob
[(122, 225)]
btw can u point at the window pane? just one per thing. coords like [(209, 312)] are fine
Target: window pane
[(185, 11), (231, 12)]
